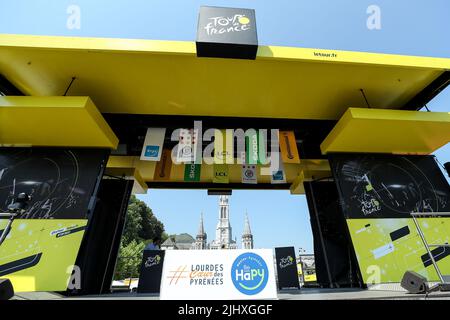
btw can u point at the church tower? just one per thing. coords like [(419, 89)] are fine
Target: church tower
[(247, 236), (200, 239), (224, 238)]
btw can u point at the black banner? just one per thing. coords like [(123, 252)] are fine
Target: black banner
[(389, 186), (60, 181), (287, 268), (151, 271)]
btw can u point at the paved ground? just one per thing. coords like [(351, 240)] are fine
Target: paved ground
[(304, 294)]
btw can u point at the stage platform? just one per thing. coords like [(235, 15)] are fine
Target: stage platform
[(303, 294)]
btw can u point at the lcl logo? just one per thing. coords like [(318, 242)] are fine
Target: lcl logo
[(221, 174)]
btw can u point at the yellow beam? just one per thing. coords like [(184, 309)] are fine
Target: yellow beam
[(53, 122), (388, 131), (310, 169), (166, 78)]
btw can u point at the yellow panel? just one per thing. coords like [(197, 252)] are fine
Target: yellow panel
[(308, 169), (166, 77), (53, 121), (388, 131)]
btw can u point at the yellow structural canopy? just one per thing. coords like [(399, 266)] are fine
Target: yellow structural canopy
[(388, 131), (167, 78), (53, 122)]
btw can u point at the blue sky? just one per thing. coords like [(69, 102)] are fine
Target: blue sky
[(277, 218)]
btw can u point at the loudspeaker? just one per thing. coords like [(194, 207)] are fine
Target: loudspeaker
[(414, 282), (447, 167), (6, 289)]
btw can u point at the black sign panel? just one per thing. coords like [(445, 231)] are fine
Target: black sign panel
[(60, 181), (287, 268), (227, 33), (389, 186), (151, 271)]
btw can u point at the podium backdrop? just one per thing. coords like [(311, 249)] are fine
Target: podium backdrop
[(151, 271), (286, 268)]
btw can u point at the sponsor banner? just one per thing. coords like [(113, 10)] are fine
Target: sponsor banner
[(255, 148), (389, 186), (163, 167), (39, 254), (192, 172), (288, 147), (187, 146), (249, 174), (223, 146), (151, 271), (278, 176), (218, 275), (221, 173), (287, 271), (153, 144), (42, 245)]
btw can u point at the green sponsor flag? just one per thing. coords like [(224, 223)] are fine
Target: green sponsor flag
[(255, 148), (192, 172), (220, 173)]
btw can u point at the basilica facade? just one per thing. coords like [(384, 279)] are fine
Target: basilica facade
[(224, 235)]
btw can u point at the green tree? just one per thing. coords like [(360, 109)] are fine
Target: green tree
[(129, 261), (140, 227)]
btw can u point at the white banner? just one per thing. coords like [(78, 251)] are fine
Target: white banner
[(278, 175), (153, 144), (187, 146), (218, 275)]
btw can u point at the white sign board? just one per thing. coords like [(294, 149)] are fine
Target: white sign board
[(218, 274), (153, 144)]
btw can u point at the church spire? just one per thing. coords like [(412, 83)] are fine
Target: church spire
[(201, 229), (200, 240), (247, 229), (247, 236)]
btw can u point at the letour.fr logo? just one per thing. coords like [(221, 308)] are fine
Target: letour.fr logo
[(249, 273), (222, 24)]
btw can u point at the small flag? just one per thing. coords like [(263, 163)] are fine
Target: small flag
[(153, 144), (278, 175), (223, 146), (192, 172), (249, 174), (220, 173), (187, 146), (164, 166), (288, 147), (255, 147)]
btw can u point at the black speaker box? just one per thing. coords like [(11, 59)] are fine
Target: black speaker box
[(6, 289), (414, 282)]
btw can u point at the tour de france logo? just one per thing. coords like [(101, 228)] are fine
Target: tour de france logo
[(222, 24), (249, 273)]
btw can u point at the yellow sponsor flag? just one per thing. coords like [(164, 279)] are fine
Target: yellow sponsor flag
[(223, 146), (220, 173), (164, 166), (288, 147)]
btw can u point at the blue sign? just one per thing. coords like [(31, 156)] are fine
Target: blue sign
[(278, 176), (152, 151), (249, 273)]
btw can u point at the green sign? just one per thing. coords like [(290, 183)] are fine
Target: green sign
[(192, 172)]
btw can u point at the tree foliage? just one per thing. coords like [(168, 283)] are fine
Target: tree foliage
[(140, 227)]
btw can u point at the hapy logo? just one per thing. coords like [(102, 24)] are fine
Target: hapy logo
[(249, 273), (221, 25)]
